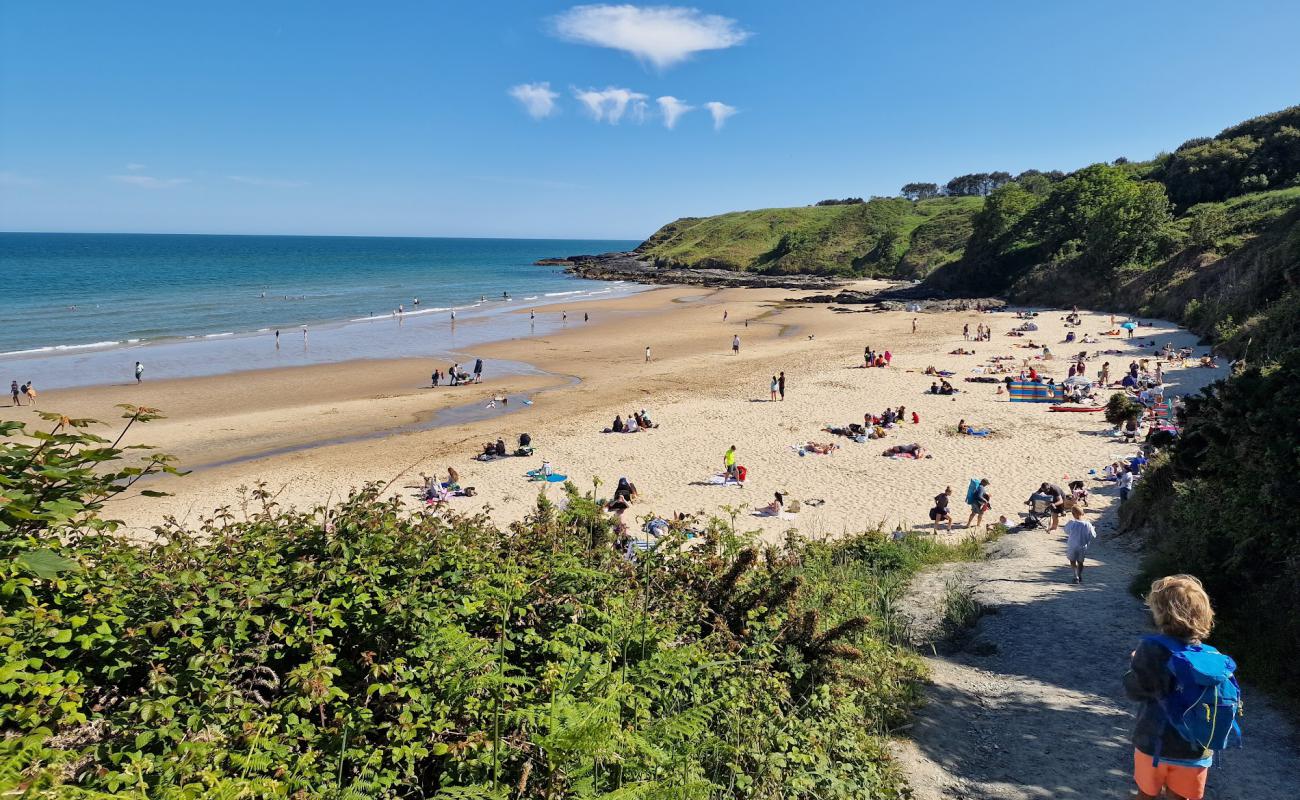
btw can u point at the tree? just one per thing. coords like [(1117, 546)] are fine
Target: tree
[(1205, 224), (1113, 218), (919, 191), (1006, 205)]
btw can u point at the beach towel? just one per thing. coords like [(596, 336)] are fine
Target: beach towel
[(536, 475), (723, 480), (978, 431)]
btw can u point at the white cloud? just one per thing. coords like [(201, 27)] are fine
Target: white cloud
[(148, 182), (720, 112), (672, 110), (274, 183), (537, 98), (609, 105), (660, 35)]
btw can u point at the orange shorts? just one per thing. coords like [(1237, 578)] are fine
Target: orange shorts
[(1188, 782)]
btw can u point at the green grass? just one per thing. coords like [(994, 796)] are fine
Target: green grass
[(872, 238)]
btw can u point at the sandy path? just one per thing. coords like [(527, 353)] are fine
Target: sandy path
[(1044, 715)]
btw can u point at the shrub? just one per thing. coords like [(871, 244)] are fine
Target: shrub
[(372, 650), (1120, 408)]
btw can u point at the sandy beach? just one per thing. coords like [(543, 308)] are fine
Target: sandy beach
[(311, 433)]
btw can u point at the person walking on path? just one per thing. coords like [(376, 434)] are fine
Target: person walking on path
[(735, 345), (773, 389), (780, 385), (139, 371), (941, 513), (1079, 533), (980, 501), (1165, 763), (13, 392), (647, 354)]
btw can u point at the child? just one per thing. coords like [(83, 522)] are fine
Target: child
[(1163, 761), (1079, 533)]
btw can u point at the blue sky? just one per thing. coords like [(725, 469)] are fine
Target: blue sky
[(396, 118)]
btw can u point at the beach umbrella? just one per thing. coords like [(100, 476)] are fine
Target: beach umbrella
[(1128, 325)]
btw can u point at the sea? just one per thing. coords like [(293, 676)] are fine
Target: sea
[(80, 309)]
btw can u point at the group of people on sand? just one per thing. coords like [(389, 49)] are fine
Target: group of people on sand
[(778, 387), (455, 376), (983, 333), (872, 358), (19, 393), (494, 450), (636, 422)]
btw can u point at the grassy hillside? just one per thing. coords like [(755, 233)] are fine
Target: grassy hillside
[(880, 237)]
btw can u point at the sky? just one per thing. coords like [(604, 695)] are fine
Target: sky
[(542, 119)]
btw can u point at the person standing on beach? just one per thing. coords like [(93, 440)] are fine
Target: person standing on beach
[(735, 345), (647, 354), (277, 339), (772, 390), (1125, 484), (780, 383), (564, 316), (965, 331), (139, 371), (913, 324), (30, 391), (478, 370), (453, 316), (532, 315), (729, 463), (724, 315), (304, 334), (980, 502), (1079, 533), (13, 392), (585, 317)]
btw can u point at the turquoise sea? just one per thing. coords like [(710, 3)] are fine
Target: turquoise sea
[(81, 309)]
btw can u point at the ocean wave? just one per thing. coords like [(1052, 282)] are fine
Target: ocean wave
[(58, 348), (562, 294)]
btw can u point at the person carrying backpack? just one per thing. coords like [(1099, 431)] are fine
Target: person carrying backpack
[(1190, 699)]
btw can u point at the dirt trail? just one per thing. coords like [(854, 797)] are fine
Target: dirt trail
[(1041, 713)]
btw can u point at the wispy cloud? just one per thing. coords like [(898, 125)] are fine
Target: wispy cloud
[(672, 110), (148, 181), (610, 104), (273, 183), (720, 112), (660, 35), (537, 98), (14, 179)]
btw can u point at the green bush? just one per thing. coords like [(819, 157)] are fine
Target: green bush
[(371, 650), (1121, 408)]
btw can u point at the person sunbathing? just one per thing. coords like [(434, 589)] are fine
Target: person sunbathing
[(962, 427), (626, 490), (773, 508), (821, 449)]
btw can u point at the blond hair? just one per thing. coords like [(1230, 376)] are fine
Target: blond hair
[(1181, 607)]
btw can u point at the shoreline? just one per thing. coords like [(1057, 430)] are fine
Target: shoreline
[(311, 433)]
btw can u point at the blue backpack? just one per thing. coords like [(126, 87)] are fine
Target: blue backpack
[(1206, 702)]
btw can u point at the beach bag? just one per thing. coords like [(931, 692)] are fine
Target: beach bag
[(971, 489), (741, 473), (1205, 704)]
